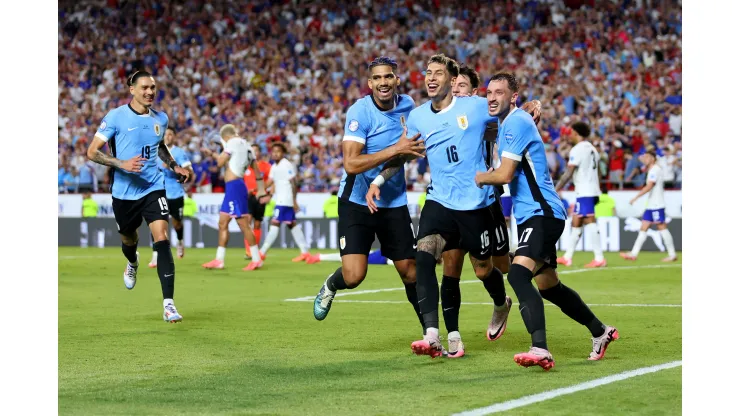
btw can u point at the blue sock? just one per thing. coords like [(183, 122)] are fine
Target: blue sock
[(376, 258)]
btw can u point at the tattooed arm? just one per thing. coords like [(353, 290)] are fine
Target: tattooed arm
[(96, 155), (164, 154), (391, 168)]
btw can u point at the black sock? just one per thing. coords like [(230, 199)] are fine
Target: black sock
[(129, 252), (165, 268), (572, 305), (530, 304), (450, 294), (179, 232), (414, 300), (494, 284), (427, 289), (336, 281)]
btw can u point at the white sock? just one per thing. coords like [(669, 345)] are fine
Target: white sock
[(575, 235), (641, 237), (330, 257), (272, 235), (168, 302), (254, 251), (300, 239), (454, 335), (220, 253), (668, 240), (592, 231), (432, 332), (154, 256)]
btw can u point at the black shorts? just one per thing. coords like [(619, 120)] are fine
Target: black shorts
[(357, 230), (176, 206), (128, 213), (473, 231), (500, 230), (255, 208), (538, 239)]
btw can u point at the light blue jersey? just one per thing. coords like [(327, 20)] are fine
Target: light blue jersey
[(377, 129), (130, 134), (172, 187), (532, 190), (455, 150)]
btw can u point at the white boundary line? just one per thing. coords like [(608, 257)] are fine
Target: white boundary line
[(394, 289), (551, 394)]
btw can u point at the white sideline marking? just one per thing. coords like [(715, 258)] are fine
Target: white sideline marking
[(541, 397), (393, 289), (616, 305)]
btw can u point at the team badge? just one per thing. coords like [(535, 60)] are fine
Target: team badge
[(354, 125), (156, 129), (462, 121), (103, 125), (342, 243), (509, 137)]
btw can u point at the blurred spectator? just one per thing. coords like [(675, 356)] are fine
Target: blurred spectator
[(606, 207), (331, 206), (89, 206)]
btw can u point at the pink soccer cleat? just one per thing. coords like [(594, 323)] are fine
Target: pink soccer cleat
[(455, 346), (600, 343), (254, 265), (214, 264), (430, 346), (535, 356), (564, 261), (313, 259), (153, 264), (497, 326), (628, 256), (596, 264), (669, 259), (302, 257)]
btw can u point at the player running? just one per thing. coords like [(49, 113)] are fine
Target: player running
[(135, 134), (371, 138), (283, 175), (655, 211), (256, 208), (583, 167), (540, 217), (238, 154), (174, 191)]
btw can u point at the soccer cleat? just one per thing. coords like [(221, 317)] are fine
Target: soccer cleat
[(322, 303), (669, 259), (302, 257), (600, 343), (564, 261), (313, 259), (455, 347), (628, 256), (253, 265), (129, 276), (180, 249), (596, 264), (153, 264), (497, 326), (214, 264), (535, 356), (170, 314), (263, 256), (430, 346)]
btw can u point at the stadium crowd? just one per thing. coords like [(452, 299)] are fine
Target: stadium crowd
[(287, 72)]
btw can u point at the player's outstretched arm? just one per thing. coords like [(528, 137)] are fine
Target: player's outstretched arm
[(355, 162), (96, 155), (501, 176), (565, 178), (164, 154)]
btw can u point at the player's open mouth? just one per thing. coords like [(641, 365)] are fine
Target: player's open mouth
[(493, 107), (432, 87), (384, 90)]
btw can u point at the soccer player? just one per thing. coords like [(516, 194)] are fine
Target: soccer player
[(256, 209), (371, 137), (283, 175), (583, 167), (455, 215), (174, 191), (135, 134), (540, 218), (238, 155), (655, 210)]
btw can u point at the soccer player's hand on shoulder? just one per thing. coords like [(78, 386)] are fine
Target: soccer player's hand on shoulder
[(413, 146), (373, 193), (133, 165), (182, 174), (534, 108)]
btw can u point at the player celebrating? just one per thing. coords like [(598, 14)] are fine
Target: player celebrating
[(655, 211), (371, 138), (583, 167), (256, 209), (540, 217), (238, 154), (135, 133), (174, 191), (282, 175)]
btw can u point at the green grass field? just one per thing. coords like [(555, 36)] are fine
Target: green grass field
[(243, 349)]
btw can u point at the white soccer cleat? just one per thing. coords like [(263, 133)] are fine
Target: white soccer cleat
[(180, 249), (129, 276), (455, 347), (170, 313)]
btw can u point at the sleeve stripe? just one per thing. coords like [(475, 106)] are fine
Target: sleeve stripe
[(512, 156), (354, 139), (101, 137), (186, 164)]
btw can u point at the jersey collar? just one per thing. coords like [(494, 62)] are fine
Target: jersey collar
[(446, 109), (396, 99), (509, 116), (138, 113)]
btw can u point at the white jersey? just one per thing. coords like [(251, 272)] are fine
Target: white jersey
[(241, 155), (586, 177), (656, 200), (281, 174)]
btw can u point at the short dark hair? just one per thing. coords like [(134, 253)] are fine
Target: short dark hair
[(281, 146), (171, 128), (510, 79), (450, 64), (135, 77), (582, 129), (383, 61), (472, 74)]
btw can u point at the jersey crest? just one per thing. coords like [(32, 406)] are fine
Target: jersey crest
[(156, 129), (462, 121)]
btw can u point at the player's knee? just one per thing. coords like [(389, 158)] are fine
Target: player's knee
[(519, 276), (482, 268), (502, 263), (432, 244), (407, 271), (353, 275), (130, 239), (546, 278)]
